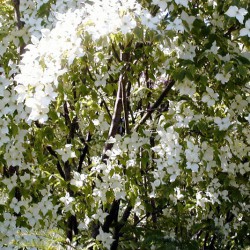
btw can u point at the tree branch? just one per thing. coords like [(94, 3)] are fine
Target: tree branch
[(125, 107), (66, 114), (113, 214), (84, 153), (169, 84), (20, 24), (116, 116), (59, 168), (120, 225), (16, 4), (106, 107)]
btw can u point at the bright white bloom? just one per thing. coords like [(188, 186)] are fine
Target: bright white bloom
[(105, 238), (67, 199), (213, 196), (33, 215), (101, 80), (25, 177), (176, 25), (78, 179), (148, 20), (188, 52), (210, 97), (100, 215), (186, 87), (66, 152), (200, 201), (192, 152), (189, 19), (178, 193), (16, 205), (234, 11), (223, 123), (9, 220), (193, 166), (85, 223), (10, 182), (38, 112), (127, 24), (246, 31), (223, 78), (182, 2)]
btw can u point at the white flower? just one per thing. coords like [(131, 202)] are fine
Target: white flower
[(223, 78), (67, 199), (105, 238), (78, 179), (15, 205), (210, 97), (214, 48), (9, 220), (186, 87), (188, 19), (25, 177), (223, 123), (127, 24), (193, 166), (148, 20), (38, 112), (208, 154), (192, 152), (182, 2), (101, 80), (246, 31), (10, 182), (224, 195), (66, 152), (200, 201), (33, 215), (100, 215), (176, 25), (188, 52), (234, 11), (178, 193)]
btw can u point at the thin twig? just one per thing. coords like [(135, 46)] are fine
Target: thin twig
[(125, 107), (169, 84), (59, 168), (84, 153), (107, 109), (20, 24), (115, 52)]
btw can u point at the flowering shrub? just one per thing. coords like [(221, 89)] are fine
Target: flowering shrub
[(124, 124)]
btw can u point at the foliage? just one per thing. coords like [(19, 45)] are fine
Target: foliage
[(124, 124)]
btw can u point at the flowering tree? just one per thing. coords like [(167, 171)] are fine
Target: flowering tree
[(124, 124)]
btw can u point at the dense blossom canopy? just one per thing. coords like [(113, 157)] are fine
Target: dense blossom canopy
[(124, 124)]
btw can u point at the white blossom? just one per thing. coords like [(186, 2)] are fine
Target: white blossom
[(66, 152), (105, 238), (223, 123), (234, 11), (246, 31)]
